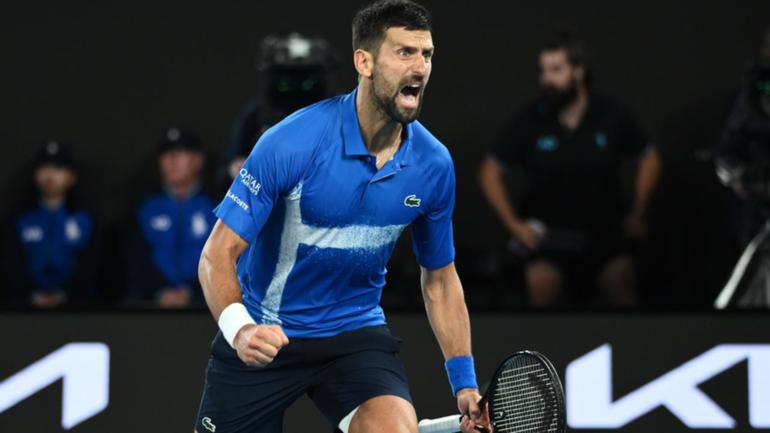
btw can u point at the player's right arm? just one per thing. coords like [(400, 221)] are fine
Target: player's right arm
[(216, 268), (256, 345), (275, 166)]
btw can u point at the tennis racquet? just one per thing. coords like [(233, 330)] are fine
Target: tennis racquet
[(524, 395)]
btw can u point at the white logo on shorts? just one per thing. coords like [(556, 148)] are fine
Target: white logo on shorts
[(206, 421)]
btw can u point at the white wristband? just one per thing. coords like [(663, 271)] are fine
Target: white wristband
[(233, 318)]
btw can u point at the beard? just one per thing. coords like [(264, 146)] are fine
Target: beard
[(555, 99), (385, 96)]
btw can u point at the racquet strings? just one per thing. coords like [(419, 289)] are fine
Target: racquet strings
[(525, 398)]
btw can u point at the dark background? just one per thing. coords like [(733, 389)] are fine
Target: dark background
[(158, 361), (109, 77)]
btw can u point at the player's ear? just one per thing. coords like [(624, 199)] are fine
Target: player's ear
[(364, 62)]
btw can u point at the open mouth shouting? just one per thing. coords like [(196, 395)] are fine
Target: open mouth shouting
[(409, 96)]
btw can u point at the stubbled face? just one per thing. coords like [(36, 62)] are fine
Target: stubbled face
[(400, 72), (558, 79), (556, 71), (53, 180), (180, 166)]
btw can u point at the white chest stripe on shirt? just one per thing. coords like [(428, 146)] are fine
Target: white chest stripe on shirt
[(296, 233)]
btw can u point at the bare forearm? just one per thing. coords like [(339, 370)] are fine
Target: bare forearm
[(219, 282), (216, 268), (448, 315), (493, 187), (646, 180)]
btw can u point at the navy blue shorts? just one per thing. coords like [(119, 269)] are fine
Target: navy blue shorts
[(337, 373)]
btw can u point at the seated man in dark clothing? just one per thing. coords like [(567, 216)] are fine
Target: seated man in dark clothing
[(570, 222), (171, 228), (49, 252)]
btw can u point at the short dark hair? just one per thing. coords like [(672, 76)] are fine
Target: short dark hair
[(371, 22), (571, 44), (576, 51)]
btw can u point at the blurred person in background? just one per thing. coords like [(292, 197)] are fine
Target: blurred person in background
[(50, 246), (742, 158), (293, 72), (571, 222), (171, 227), (743, 154)]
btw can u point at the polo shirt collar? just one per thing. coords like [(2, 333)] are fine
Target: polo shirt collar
[(406, 145), (353, 139), (351, 130)]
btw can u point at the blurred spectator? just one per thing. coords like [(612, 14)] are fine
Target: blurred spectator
[(743, 153), (294, 72), (570, 223), (171, 227), (742, 158), (50, 247)]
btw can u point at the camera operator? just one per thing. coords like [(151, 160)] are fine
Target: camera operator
[(294, 72), (742, 160)]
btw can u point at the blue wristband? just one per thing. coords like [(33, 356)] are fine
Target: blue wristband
[(461, 373)]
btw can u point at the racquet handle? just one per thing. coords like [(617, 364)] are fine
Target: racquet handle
[(447, 424)]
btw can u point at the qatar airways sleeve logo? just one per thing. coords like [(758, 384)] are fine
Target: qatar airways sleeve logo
[(248, 180)]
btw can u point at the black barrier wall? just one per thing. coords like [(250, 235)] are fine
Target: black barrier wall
[(639, 373)]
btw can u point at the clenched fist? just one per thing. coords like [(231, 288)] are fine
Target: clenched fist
[(257, 345)]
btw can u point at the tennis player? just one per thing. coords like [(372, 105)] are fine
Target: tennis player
[(294, 268)]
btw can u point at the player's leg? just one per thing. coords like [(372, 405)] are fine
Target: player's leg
[(384, 414), (544, 283), (364, 374), (241, 398)]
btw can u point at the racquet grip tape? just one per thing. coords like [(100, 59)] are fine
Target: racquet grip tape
[(447, 424)]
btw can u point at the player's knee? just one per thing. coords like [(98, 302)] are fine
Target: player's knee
[(544, 283), (384, 414)]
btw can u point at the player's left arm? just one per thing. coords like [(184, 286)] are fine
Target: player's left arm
[(448, 315)]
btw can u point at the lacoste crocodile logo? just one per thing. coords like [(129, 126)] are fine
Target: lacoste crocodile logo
[(412, 201), (206, 421)]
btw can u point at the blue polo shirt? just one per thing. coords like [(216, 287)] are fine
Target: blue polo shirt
[(174, 231), (52, 240), (321, 221)]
